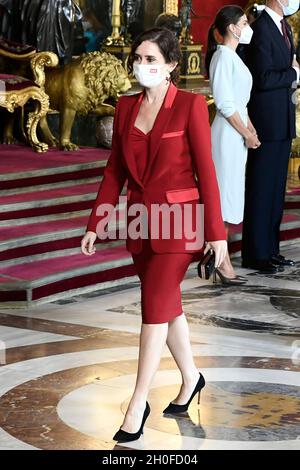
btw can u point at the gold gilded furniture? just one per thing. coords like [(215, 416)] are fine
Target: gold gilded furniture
[(17, 90)]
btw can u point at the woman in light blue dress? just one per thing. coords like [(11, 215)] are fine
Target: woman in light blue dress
[(232, 130)]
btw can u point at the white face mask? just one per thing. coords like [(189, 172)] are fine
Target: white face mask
[(291, 8), (245, 36), (149, 75)]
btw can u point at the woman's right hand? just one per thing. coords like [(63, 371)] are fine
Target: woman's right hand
[(87, 243), (251, 141)]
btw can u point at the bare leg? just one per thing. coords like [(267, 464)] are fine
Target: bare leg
[(152, 340), (226, 267), (178, 342)]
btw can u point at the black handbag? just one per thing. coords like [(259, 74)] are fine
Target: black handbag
[(206, 265)]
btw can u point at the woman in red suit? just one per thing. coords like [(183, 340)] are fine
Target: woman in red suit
[(162, 147)]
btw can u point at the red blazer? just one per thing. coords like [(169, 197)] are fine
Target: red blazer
[(180, 167)]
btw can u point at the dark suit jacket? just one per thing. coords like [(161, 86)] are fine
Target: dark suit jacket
[(269, 59), (180, 168)]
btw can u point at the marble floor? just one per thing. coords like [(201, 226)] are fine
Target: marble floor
[(67, 369)]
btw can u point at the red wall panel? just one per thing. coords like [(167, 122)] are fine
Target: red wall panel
[(207, 10)]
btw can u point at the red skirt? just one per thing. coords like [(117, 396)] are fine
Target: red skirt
[(161, 275)]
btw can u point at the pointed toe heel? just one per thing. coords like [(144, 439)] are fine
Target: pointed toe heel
[(123, 436), (172, 408), (226, 281)]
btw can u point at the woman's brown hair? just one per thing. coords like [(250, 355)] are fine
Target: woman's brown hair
[(168, 45)]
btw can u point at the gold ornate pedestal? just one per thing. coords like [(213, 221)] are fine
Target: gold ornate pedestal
[(191, 62), (116, 39)]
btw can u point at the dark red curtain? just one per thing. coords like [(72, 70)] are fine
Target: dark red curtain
[(207, 10)]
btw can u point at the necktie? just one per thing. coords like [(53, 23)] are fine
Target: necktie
[(285, 33)]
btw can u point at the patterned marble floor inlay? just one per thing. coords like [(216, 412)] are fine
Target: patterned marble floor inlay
[(243, 411), (67, 370), (264, 308)]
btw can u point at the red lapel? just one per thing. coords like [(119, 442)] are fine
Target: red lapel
[(127, 147), (161, 123)]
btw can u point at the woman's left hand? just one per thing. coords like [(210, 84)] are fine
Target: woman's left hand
[(220, 248)]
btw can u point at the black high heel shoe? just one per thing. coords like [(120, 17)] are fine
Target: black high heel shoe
[(235, 281), (123, 436), (174, 409)]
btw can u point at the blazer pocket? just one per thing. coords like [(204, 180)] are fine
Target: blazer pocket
[(182, 195), (166, 135)]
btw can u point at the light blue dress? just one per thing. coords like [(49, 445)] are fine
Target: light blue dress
[(231, 83)]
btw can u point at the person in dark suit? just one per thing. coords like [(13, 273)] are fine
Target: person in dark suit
[(162, 147), (271, 60)]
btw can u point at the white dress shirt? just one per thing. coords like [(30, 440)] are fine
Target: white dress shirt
[(277, 20), (275, 17)]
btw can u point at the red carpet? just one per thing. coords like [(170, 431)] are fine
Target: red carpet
[(294, 192), (21, 167), (17, 159), (21, 199), (41, 228), (39, 269)]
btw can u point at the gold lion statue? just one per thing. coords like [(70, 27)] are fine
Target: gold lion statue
[(83, 86)]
